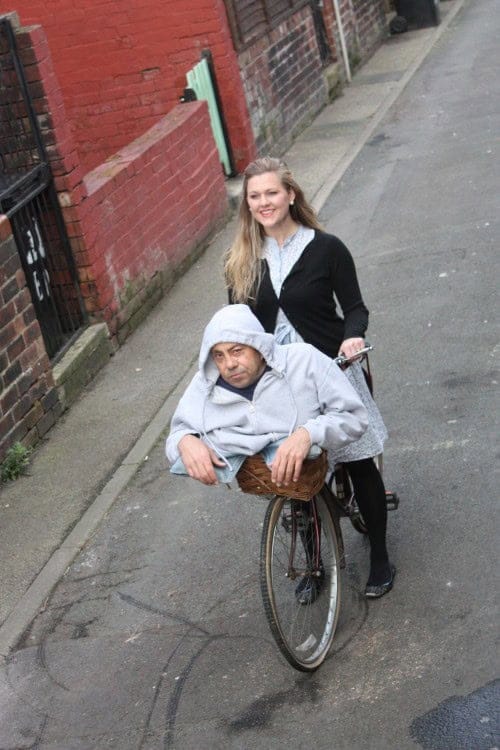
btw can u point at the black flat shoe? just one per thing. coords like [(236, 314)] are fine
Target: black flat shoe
[(375, 592)]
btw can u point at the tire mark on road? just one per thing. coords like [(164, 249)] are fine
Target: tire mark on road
[(175, 697), (193, 630), (157, 611)]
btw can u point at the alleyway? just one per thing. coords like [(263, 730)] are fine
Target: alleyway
[(156, 639)]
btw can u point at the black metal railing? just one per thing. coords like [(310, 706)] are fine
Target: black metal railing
[(28, 197)]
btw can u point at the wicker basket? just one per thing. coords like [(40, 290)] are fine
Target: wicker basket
[(254, 477)]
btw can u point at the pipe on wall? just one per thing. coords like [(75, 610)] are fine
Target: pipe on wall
[(342, 40)]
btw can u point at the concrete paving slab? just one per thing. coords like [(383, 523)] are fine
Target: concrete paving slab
[(399, 50), (363, 101)]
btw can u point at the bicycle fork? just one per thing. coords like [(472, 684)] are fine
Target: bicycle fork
[(305, 523)]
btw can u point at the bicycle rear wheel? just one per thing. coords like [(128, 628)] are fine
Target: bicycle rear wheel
[(299, 549)]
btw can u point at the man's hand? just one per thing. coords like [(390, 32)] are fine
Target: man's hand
[(199, 459), (290, 456), (350, 347)]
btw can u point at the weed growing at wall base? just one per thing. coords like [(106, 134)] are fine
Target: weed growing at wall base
[(15, 463)]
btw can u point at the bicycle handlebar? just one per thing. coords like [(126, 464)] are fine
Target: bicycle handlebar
[(341, 360)]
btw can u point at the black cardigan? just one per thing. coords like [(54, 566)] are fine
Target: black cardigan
[(324, 269)]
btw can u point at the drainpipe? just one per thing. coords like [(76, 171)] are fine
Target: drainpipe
[(342, 40)]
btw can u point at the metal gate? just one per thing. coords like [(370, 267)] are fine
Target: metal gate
[(28, 197)]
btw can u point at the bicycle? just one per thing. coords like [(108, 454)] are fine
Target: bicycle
[(302, 554)]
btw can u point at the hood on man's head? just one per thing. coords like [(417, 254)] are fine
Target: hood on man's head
[(233, 324)]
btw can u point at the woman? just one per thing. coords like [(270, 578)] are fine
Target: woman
[(289, 272)]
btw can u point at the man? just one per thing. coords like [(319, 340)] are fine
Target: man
[(251, 393)]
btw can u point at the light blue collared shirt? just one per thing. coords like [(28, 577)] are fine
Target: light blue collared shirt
[(281, 261)]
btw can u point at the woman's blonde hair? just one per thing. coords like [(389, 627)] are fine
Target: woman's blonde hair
[(242, 263)]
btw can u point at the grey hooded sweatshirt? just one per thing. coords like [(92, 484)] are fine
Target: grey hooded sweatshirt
[(303, 388)]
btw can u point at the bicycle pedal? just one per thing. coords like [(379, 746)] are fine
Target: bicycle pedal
[(392, 500)]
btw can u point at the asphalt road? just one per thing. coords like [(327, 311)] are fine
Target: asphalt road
[(156, 637)]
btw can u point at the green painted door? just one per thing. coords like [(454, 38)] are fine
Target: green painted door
[(200, 80)]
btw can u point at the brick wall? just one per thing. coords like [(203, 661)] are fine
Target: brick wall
[(29, 403), (147, 210), (364, 26), (283, 82), (282, 70), (122, 66), (134, 223), (135, 219), (370, 24)]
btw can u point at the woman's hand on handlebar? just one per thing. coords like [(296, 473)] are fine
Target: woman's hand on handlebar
[(350, 347)]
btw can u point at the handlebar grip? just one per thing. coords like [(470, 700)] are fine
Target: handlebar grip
[(346, 361)]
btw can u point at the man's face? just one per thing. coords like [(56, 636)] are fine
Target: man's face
[(238, 364)]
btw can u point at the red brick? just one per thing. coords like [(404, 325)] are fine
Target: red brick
[(15, 349), (5, 228), (50, 399), (32, 333), (35, 413), (6, 424), (18, 432), (9, 290), (7, 314), (22, 407), (8, 399), (26, 381), (28, 316)]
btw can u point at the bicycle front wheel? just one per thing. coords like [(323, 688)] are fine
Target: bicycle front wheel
[(300, 579)]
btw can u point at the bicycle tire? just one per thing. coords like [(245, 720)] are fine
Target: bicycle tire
[(303, 632)]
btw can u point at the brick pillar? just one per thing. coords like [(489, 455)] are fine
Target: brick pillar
[(29, 404)]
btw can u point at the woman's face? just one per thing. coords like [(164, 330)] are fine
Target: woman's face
[(269, 201)]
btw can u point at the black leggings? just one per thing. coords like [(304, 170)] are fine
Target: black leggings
[(370, 495)]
